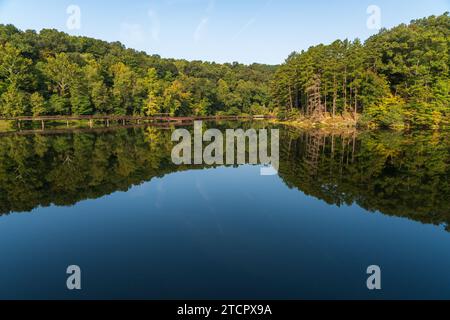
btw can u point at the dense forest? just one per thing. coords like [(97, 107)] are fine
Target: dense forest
[(403, 174), (398, 77), (52, 73)]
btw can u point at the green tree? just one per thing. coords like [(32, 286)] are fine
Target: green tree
[(154, 88), (14, 68), (38, 104), (123, 83), (13, 102), (60, 72), (96, 87), (390, 112), (177, 101)]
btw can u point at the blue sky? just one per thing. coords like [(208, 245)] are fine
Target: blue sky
[(218, 30)]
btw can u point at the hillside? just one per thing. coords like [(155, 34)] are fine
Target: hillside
[(397, 78), (52, 73)]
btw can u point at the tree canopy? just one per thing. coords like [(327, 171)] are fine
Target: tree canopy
[(398, 77), (53, 73)]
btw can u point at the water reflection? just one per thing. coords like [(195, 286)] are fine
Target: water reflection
[(399, 174)]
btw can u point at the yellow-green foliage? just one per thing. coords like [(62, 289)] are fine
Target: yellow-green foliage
[(390, 112), (85, 78), (5, 125)]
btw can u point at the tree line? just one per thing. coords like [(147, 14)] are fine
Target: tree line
[(398, 77), (52, 73)]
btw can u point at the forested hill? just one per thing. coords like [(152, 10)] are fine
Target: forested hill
[(52, 73), (399, 77)]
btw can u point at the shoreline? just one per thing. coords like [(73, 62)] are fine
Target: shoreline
[(333, 125), (347, 121), (104, 123)]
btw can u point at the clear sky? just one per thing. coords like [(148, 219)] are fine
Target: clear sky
[(218, 30)]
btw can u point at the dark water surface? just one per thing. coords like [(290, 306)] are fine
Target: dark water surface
[(141, 227)]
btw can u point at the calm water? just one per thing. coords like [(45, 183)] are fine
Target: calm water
[(141, 227)]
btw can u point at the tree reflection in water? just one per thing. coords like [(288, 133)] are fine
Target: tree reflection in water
[(399, 174)]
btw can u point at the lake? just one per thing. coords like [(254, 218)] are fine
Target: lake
[(113, 203)]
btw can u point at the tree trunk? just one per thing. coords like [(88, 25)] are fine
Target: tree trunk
[(334, 95), (290, 98), (345, 89)]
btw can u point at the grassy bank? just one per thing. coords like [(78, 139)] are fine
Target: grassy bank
[(336, 122)]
